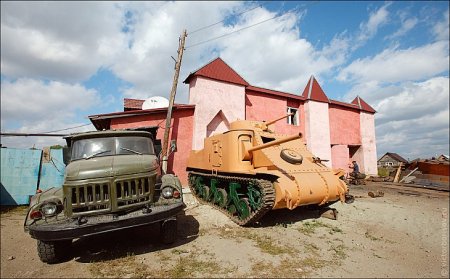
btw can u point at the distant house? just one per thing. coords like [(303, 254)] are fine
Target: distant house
[(391, 160)]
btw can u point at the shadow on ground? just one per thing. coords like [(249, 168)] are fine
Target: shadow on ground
[(285, 216), (134, 241)]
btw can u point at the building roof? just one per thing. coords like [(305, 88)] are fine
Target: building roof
[(343, 104), (314, 92), (103, 121), (218, 70), (362, 104), (395, 156), (274, 92), (132, 104)]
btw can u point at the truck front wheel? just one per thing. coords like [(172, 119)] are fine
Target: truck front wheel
[(53, 251), (168, 231)]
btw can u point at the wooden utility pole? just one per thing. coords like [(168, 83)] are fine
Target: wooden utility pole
[(164, 150)]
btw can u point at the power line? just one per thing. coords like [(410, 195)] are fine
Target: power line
[(205, 27), (44, 134), (67, 128), (32, 135), (227, 34)]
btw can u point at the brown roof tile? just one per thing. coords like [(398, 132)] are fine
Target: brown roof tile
[(218, 70)]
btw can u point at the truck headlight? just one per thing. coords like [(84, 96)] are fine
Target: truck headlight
[(49, 209), (167, 192)]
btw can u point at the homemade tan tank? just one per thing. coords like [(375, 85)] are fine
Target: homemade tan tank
[(249, 170)]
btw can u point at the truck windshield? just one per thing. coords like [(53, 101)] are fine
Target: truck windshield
[(98, 147)]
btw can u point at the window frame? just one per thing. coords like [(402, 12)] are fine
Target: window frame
[(296, 116)]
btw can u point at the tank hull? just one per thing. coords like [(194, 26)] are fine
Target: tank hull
[(277, 169)]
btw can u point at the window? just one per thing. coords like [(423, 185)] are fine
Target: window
[(292, 119), (107, 146), (389, 164)]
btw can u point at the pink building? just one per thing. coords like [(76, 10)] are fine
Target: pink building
[(336, 131)]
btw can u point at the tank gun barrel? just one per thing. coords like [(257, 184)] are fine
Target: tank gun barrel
[(265, 125), (278, 119), (275, 142)]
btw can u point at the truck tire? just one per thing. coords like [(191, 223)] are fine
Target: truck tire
[(168, 233), (53, 251)]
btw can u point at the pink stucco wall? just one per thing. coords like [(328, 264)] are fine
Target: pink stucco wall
[(318, 130), (344, 125), (182, 127), (260, 106), (210, 97), (369, 148), (340, 156)]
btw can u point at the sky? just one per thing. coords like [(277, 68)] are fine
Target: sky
[(63, 61)]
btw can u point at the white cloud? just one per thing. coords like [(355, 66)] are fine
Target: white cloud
[(406, 25), (147, 64), (44, 126), (369, 29), (65, 41), (277, 45), (396, 65), (39, 106), (409, 102), (412, 118), (441, 28)]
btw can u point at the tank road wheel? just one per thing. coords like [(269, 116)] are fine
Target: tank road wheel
[(291, 156), (206, 193), (254, 197), (198, 185), (243, 209), (221, 198), (53, 251)]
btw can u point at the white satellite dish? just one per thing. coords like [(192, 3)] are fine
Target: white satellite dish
[(155, 102)]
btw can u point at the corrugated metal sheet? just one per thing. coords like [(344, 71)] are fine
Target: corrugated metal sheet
[(19, 175), (52, 172)]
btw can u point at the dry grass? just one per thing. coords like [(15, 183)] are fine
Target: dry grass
[(339, 251), (264, 242), (370, 236), (289, 267), (308, 228), (119, 268), (177, 263)]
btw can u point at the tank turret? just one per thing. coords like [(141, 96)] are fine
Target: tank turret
[(249, 170)]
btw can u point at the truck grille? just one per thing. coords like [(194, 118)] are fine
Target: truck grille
[(90, 197), (97, 198), (134, 191)]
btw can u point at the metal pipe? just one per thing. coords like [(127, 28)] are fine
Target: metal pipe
[(275, 142), (278, 119)]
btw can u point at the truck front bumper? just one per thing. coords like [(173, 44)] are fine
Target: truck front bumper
[(72, 228)]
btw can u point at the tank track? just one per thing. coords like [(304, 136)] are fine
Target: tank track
[(265, 186)]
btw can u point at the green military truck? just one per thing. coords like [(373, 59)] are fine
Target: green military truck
[(111, 182)]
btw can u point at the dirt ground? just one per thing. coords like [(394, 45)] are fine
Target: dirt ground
[(403, 234)]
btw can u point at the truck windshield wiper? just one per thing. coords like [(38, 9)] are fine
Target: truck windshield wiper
[(96, 154), (131, 150)]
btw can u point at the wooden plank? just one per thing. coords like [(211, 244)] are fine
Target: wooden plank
[(397, 175)]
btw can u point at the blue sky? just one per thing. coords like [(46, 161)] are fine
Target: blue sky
[(63, 61)]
